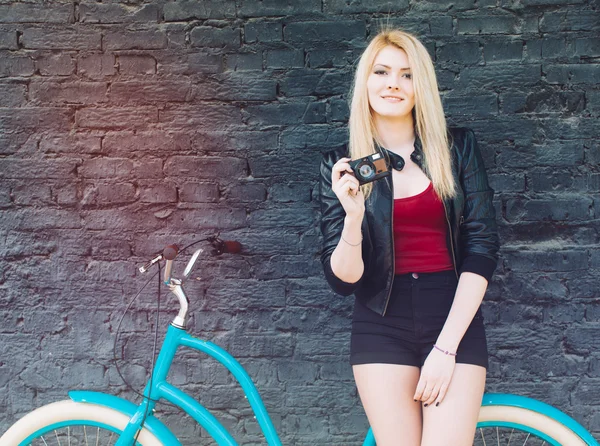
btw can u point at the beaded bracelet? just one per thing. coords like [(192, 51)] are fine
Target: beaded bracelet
[(444, 351), (351, 243)]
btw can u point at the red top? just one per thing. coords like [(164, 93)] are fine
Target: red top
[(420, 230)]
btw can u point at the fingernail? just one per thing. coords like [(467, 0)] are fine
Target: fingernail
[(425, 404), (415, 400), (437, 404)]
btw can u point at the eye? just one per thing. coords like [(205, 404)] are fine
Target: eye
[(380, 72), (408, 75)]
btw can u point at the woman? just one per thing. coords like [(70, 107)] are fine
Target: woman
[(417, 248)]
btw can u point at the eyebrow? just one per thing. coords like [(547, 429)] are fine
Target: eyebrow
[(387, 66)]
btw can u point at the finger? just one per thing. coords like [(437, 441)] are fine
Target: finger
[(442, 394), (427, 393), (420, 388), (432, 395), (349, 178)]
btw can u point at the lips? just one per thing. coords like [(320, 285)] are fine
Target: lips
[(394, 99)]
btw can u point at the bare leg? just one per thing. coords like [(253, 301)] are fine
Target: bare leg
[(454, 421), (386, 392)]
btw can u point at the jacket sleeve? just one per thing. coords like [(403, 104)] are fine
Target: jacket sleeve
[(479, 231), (332, 223)]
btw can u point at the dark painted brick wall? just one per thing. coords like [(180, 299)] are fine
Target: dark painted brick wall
[(125, 126)]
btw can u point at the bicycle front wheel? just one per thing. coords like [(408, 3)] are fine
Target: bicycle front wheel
[(71, 423), (509, 425)]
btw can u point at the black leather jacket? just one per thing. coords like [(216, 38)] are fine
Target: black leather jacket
[(472, 238)]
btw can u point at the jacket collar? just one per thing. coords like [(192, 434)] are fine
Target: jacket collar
[(416, 156)]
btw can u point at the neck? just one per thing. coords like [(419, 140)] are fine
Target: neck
[(396, 133)]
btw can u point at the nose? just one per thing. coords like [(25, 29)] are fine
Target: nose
[(392, 83)]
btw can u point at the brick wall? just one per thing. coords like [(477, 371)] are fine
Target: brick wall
[(125, 126)]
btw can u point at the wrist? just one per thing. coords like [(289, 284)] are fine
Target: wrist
[(441, 349)]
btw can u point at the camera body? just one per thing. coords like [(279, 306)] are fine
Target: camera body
[(369, 168)]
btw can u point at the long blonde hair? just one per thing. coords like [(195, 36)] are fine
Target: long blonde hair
[(430, 122)]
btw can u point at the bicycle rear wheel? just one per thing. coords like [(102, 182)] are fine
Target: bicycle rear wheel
[(71, 423), (504, 425)]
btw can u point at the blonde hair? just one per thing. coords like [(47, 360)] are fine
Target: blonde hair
[(430, 122)]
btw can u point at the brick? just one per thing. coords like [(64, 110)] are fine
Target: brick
[(325, 33), (249, 8), (587, 47), (31, 194), (571, 74), (106, 168), (576, 209), (334, 83), (12, 65), (32, 219), (468, 105), (329, 58), (117, 13), (210, 9), (140, 40), (466, 53), (317, 137), (232, 86), (365, 6), (510, 76), (56, 65), (205, 167), (208, 37), (137, 64), (501, 51), (32, 169), (61, 39), (339, 110), (274, 114), (285, 59), (149, 91), (203, 117), (141, 144), (244, 62), (199, 193), (273, 218), (33, 13), (263, 32), (247, 192), (189, 64), (12, 95), (542, 181), (507, 182), (159, 193), (552, 154), (96, 65), (116, 118), (67, 93), (108, 194), (73, 144), (487, 25), (8, 40), (570, 20), (567, 260)]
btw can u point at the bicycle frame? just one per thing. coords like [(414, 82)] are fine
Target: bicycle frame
[(177, 337)]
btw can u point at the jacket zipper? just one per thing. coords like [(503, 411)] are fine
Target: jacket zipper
[(387, 301), (451, 243)]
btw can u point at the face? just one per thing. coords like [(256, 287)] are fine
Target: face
[(390, 85)]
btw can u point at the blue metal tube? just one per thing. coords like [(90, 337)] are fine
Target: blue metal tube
[(221, 355)]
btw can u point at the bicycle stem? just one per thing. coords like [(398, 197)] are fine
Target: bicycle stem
[(176, 287)]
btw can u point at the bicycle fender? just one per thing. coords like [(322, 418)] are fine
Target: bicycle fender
[(507, 399), (154, 425)]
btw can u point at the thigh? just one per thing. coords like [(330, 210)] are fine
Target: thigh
[(454, 421), (386, 392)]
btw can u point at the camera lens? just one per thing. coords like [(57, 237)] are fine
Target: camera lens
[(366, 171)]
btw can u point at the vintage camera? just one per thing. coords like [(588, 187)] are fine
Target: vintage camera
[(369, 168)]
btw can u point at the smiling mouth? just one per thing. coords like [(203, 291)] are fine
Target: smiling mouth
[(392, 99)]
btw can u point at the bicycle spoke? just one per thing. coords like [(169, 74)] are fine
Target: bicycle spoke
[(98, 436), (57, 439), (482, 437), (44, 441)]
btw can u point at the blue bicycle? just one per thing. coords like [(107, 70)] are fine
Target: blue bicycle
[(93, 418)]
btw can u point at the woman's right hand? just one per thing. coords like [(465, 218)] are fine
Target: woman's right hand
[(346, 188)]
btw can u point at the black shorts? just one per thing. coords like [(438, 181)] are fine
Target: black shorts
[(418, 307)]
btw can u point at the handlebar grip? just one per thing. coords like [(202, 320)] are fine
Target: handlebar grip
[(169, 253)]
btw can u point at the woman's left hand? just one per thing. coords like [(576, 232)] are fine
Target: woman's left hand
[(435, 377)]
